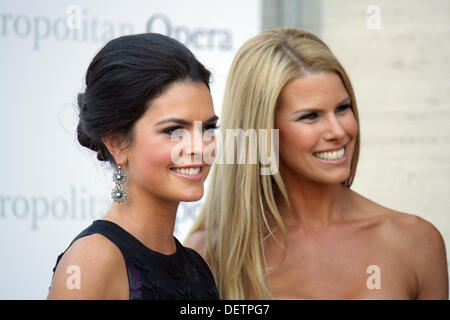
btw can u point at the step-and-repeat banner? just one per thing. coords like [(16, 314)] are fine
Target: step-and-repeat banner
[(50, 187)]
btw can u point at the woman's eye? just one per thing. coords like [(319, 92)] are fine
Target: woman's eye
[(170, 130), (210, 127), (343, 108), (309, 116)]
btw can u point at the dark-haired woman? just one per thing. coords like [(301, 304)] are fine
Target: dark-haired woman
[(139, 90)]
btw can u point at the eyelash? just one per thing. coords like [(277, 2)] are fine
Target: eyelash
[(344, 107), (170, 130), (211, 127), (312, 116)]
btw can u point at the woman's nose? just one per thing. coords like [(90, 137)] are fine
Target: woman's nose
[(334, 129), (197, 142)]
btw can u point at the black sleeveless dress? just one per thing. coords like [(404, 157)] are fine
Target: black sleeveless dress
[(183, 275)]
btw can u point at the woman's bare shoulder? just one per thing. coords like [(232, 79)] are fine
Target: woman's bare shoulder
[(197, 241), (408, 228), (401, 223), (419, 243), (405, 228), (90, 269), (416, 234), (424, 249)]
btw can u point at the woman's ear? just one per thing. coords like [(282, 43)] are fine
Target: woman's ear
[(116, 148)]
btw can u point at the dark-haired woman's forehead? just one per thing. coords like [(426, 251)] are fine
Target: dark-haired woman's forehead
[(180, 104)]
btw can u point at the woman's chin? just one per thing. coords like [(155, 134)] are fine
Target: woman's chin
[(191, 196), (333, 179)]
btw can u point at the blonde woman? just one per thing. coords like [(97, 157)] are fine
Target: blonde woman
[(302, 232)]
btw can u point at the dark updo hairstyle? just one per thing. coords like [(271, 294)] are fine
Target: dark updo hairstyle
[(121, 81)]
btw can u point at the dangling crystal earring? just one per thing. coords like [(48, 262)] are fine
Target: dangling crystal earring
[(119, 193)]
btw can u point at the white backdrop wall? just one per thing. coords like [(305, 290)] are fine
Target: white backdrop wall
[(51, 188)]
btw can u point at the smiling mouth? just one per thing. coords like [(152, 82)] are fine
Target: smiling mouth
[(192, 171), (331, 155)]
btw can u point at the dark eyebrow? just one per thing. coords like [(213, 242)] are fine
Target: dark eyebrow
[(212, 119), (343, 102), (185, 122)]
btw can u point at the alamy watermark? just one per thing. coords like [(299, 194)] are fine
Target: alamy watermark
[(250, 146), (374, 281), (374, 20), (73, 281)]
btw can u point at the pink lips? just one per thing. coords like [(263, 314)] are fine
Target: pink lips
[(195, 177)]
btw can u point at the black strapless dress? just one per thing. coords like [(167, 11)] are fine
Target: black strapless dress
[(183, 275)]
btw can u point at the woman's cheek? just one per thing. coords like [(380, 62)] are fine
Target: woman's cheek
[(355, 127), (153, 158), (301, 139), (159, 155), (209, 152), (351, 126)]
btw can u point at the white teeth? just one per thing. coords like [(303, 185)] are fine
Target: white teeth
[(334, 155), (187, 171)]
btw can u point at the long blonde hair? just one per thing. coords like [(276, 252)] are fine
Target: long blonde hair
[(240, 200)]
